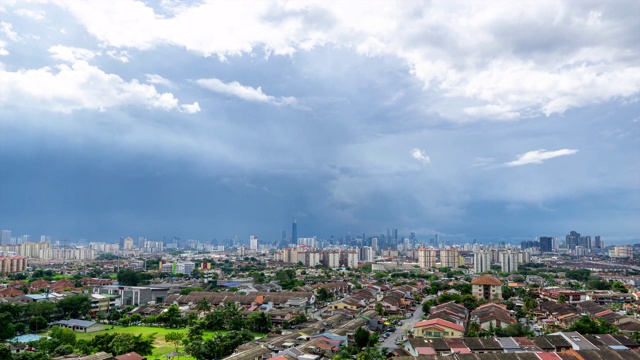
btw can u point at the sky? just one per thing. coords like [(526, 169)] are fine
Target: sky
[(485, 120)]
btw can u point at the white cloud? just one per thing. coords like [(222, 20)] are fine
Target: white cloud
[(538, 156), (121, 56), (553, 56), (190, 108), (420, 155), (3, 51), (483, 162), (32, 14), (247, 93), (7, 30), (70, 54), (159, 80), (80, 86)]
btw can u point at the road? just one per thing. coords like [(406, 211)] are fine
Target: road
[(407, 325)]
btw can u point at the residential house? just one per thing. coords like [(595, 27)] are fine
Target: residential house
[(492, 315), (486, 287), (438, 328)]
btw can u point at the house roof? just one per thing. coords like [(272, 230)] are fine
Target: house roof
[(131, 356), (486, 280), (76, 322), (439, 322)]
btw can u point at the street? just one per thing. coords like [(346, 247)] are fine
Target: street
[(407, 325)]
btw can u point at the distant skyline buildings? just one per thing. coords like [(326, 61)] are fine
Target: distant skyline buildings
[(391, 238)]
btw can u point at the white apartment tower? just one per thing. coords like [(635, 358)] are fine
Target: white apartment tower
[(366, 254), (253, 243), (508, 261), (426, 257), (481, 261), (449, 258)]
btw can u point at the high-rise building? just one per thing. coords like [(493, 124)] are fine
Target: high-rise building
[(426, 257), (294, 232), (349, 259), (624, 251), (449, 257), (509, 261), (366, 254), (481, 261), (331, 259), (572, 240), (597, 242), (546, 244), (253, 243), (127, 243), (141, 241), (5, 238)]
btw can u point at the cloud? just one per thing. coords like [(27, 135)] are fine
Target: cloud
[(538, 156), (159, 80), (7, 30), (121, 56), (190, 108), (70, 54), (80, 86), (32, 14), (420, 155), (247, 93), (510, 61), (483, 162)]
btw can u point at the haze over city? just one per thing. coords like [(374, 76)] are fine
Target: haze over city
[(496, 121)]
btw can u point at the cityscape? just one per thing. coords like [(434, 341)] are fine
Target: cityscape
[(319, 180)]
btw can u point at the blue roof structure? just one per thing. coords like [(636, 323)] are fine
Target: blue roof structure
[(23, 339), (75, 322)]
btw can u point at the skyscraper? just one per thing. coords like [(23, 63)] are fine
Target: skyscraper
[(572, 240), (6, 237), (294, 232), (546, 244), (253, 242), (508, 261), (481, 261)]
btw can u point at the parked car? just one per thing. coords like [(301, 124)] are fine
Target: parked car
[(400, 323)]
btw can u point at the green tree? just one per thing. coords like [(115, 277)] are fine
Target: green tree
[(530, 303), (125, 343), (64, 349), (588, 326), (427, 304), (361, 337), (129, 277), (373, 339), (581, 275), (64, 335), (40, 308), (203, 305), (323, 295), (260, 322), (175, 338), (74, 306), (508, 292), (562, 299), (5, 352), (7, 329), (618, 286)]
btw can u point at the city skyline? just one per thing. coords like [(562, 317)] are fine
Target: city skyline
[(471, 120)]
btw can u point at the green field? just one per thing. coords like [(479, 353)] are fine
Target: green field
[(162, 347)]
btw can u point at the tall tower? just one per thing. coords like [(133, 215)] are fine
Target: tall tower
[(294, 232)]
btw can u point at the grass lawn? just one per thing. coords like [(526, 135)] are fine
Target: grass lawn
[(162, 347)]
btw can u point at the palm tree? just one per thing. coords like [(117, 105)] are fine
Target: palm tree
[(203, 305)]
